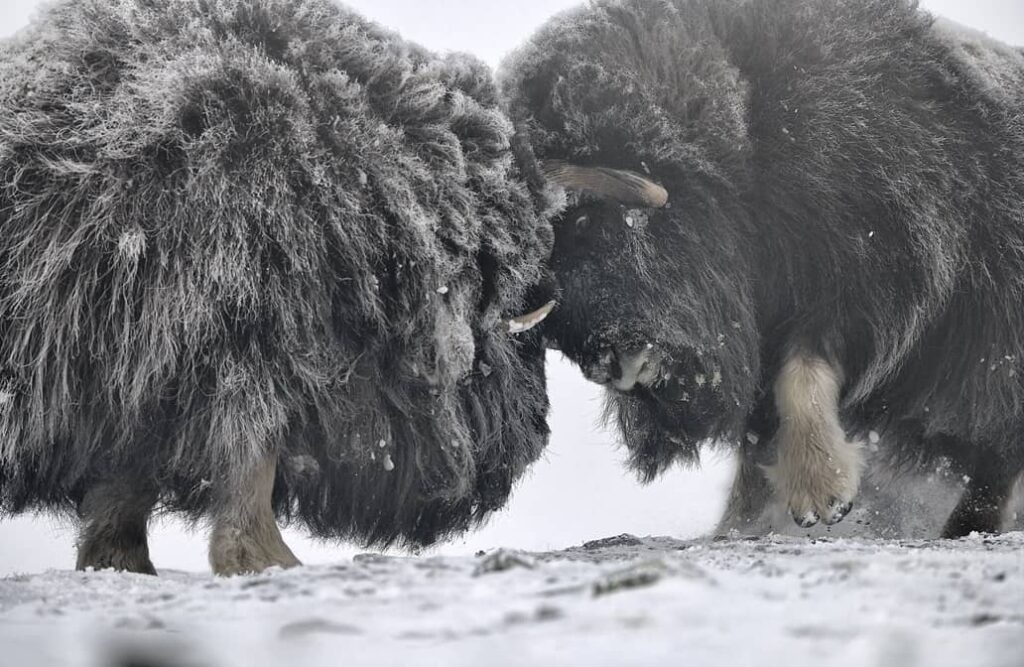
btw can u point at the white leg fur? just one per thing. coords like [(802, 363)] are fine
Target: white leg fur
[(818, 471)]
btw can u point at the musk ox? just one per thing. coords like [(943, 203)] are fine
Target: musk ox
[(259, 258), (789, 223)]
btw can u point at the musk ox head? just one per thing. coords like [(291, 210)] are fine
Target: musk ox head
[(636, 118)]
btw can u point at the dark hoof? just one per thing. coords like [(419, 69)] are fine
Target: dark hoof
[(973, 516), (838, 512), (115, 557), (806, 520)]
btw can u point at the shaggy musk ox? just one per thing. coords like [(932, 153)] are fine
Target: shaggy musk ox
[(259, 257), (789, 223)]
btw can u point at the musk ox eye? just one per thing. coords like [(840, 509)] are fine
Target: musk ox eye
[(635, 218)]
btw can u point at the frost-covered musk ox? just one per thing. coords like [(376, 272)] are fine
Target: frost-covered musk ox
[(789, 222), (259, 256)]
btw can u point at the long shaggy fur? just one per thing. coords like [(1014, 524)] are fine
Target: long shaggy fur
[(844, 175), (233, 227)]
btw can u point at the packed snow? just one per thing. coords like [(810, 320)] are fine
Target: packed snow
[(621, 600)]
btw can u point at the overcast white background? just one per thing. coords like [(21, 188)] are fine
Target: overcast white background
[(580, 490)]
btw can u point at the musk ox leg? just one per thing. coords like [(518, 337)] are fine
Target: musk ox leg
[(245, 536), (818, 470), (115, 518), (983, 505), (750, 495)]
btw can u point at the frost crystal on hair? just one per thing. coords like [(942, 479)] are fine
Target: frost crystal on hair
[(132, 244)]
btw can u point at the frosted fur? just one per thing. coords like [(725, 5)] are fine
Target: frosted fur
[(241, 229)]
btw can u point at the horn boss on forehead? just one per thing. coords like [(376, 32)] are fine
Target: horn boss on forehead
[(625, 187)]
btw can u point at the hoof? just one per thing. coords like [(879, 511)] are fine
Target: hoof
[(839, 510), (807, 519), (121, 548), (972, 519), (235, 552), (130, 560)]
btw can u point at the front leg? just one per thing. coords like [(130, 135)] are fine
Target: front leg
[(750, 494), (245, 536), (819, 469)]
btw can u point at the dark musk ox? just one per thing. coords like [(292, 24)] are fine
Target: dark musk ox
[(259, 258), (793, 226)]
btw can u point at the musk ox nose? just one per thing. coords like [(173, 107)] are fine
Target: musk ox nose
[(625, 368)]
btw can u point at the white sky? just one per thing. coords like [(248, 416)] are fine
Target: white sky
[(580, 491), (491, 28)]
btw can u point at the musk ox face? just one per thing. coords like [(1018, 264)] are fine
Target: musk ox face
[(625, 297), (647, 138)]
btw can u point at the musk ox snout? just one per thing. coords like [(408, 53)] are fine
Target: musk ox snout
[(627, 368)]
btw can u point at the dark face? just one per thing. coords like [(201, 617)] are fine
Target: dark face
[(614, 314), (646, 310), (635, 108)]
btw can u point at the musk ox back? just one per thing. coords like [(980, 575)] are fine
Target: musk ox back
[(789, 223), (254, 245)]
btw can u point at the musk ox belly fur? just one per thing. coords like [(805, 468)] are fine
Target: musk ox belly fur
[(229, 228), (842, 247)]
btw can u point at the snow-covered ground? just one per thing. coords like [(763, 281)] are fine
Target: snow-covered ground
[(763, 601), (825, 596)]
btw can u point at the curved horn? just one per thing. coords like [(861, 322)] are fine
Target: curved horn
[(625, 187), (528, 321)]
